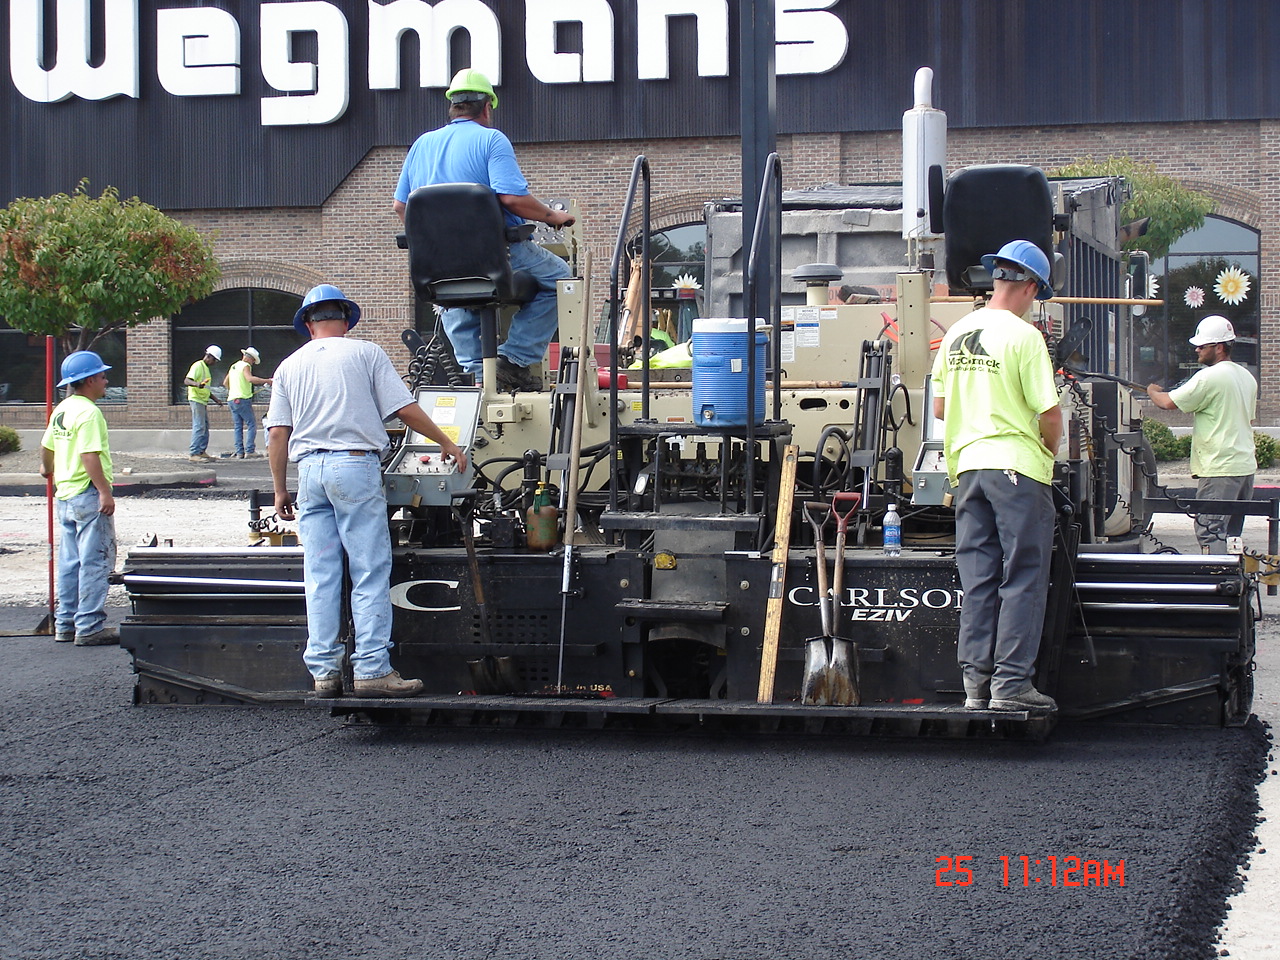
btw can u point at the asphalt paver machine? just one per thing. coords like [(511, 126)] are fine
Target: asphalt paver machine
[(674, 578)]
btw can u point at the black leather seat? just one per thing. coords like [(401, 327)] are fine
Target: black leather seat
[(457, 240)]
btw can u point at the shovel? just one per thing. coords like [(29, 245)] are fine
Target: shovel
[(842, 668), (830, 662)]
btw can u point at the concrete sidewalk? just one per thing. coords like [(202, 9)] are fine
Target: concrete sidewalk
[(147, 460)]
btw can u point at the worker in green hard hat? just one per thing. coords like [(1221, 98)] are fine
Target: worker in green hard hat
[(468, 150)]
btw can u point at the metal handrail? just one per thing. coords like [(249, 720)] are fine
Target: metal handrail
[(770, 188), (639, 170)]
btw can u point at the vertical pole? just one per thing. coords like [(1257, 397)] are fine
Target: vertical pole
[(758, 113), (757, 107), (48, 485)]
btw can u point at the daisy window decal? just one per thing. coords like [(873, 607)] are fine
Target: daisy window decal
[(1232, 285), (1194, 297), (1153, 286)]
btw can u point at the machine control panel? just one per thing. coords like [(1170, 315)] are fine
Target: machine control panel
[(418, 474)]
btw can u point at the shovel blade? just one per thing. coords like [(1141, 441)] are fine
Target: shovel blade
[(813, 687), (842, 674), (45, 627)]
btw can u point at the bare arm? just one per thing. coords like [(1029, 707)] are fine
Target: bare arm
[(940, 407), (1160, 397), (398, 207), (531, 208), (256, 381), (278, 458), (1051, 428), (93, 466), (46, 462), (416, 417)]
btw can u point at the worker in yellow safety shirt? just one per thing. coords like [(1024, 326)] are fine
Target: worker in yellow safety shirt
[(240, 382)]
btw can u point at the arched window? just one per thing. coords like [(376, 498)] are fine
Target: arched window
[(1213, 270), (234, 319), (677, 251)]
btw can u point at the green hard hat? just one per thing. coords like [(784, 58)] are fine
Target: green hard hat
[(471, 85)]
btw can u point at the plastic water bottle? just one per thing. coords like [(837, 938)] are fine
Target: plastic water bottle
[(892, 531)]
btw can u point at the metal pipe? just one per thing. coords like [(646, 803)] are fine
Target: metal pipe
[(771, 183), (290, 585), (640, 168), (1191, 588)]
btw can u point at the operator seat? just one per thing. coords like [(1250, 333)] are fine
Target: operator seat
[(457, 239)]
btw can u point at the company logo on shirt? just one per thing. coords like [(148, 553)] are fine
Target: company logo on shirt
[(60, 431), (967, 353)]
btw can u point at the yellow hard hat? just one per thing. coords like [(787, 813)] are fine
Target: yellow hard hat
[(471, 85)]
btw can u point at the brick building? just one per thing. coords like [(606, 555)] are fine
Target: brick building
[(346, 235)]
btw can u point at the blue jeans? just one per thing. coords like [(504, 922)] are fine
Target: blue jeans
[(531, 328), (245, 423), (86, 557), (341, 506), (1004, 541), (199, 427)]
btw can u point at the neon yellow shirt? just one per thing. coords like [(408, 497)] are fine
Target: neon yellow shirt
[(238, 385), (993, 369), (1224, 399), (199, 372), (77, 427)]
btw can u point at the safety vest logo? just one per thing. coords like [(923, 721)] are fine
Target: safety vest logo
[(967, 353)]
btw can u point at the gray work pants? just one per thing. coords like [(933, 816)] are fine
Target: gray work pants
[(1212, 529), (1004, 539)]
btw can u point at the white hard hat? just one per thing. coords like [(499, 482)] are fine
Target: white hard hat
[(1213, 329), (253, 353), (214, 351)]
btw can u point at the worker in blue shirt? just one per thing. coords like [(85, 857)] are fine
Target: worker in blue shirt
[(468, 150)]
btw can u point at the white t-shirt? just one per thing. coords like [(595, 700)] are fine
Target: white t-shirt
[(335, 393)]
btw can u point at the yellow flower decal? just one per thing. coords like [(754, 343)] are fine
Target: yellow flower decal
[(1232, 285)]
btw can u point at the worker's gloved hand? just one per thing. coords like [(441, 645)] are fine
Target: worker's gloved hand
[(284, 506)]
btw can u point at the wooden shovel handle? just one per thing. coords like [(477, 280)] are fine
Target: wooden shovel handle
[(777, 580)]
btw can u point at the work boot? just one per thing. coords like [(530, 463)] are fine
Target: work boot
[(518, 379), (64, 637), (329, 687), (392, 685), (1030, 699), (100, 638), (977, 696)]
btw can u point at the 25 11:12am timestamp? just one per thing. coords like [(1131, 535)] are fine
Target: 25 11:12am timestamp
[(1049, 871)]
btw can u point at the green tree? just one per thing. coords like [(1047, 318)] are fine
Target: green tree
[(1173, 208), (78, 267)]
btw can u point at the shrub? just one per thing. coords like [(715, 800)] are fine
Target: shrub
[(1164, 444), (1264, 450), (9, 442)]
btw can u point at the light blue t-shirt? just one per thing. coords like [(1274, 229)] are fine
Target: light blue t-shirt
[(334, 393), (463, 151)]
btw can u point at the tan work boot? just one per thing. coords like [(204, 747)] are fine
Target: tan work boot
[(329, 687), (392, 685)]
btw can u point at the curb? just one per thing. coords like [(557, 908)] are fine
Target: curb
[(32, 484)]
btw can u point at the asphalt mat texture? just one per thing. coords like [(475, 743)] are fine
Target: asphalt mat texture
[(254, 832)]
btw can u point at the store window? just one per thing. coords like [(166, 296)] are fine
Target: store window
[(676, 252), (1213, 270), (22, 365), (234, 319)]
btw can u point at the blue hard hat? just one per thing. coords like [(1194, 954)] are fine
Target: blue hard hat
[(1028, 256), (323, 293), (81, 365)]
